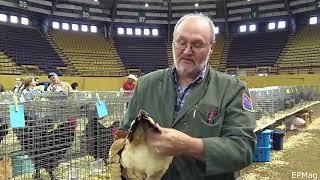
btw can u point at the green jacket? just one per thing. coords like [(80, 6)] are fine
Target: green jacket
[(229, 139)]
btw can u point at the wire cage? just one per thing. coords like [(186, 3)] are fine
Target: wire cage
[(266, 101), (270, 100), (61, 137)]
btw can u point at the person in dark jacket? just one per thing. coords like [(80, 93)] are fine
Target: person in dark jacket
[(1, 88)]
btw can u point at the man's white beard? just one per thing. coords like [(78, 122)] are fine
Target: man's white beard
[(196, 69)]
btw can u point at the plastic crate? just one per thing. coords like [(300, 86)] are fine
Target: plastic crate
[(263, 138), (277, 140), (262, 154)]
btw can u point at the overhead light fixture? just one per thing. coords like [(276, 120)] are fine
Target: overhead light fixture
[(282, 24), (95, 0), (196, 5), (313, 20), (146, 5), (252, 27), (271, 25), (243, 28)]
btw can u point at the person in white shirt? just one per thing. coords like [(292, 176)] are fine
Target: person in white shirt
[(57, 85)]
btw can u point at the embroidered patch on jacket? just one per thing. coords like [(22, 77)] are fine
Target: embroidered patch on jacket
[(247, 102)]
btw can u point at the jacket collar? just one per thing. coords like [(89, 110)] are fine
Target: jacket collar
[(198, 80), (168, 92)]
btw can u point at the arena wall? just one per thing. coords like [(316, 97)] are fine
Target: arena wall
[(115, 83)]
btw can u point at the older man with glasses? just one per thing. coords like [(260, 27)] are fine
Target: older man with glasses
[(205, 117)]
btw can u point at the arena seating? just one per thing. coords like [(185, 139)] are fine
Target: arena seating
[(147, 54), (90, 54), (29, 47), (7, 66), (27, 51), (301, 54), (169, 53), (255, 50), (216, 58)]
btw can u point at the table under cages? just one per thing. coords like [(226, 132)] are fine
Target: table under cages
[(60, 136)]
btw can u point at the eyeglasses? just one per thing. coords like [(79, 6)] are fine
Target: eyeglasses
[(194, 47)]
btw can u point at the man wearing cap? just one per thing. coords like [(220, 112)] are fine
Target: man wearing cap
[(57, 85), (129, 85)]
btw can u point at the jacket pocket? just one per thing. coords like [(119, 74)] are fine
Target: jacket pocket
[(206, 122)]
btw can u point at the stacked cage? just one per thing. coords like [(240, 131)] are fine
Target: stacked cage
[(61, 136), (270, 100), (267, 101)]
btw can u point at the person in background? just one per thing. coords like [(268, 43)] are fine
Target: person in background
[(74, 86), (57, 85), (205, 117), (128, 87), (29, 86), (39, 85), (1, 88), (17, 85), (129, 84), (37, 81)]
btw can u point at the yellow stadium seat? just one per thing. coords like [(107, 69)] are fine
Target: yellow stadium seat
[(90, 54)]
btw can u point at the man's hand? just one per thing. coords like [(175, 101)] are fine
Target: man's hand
[(173, 142)]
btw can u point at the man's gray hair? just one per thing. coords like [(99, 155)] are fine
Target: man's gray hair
[(201, 16)]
